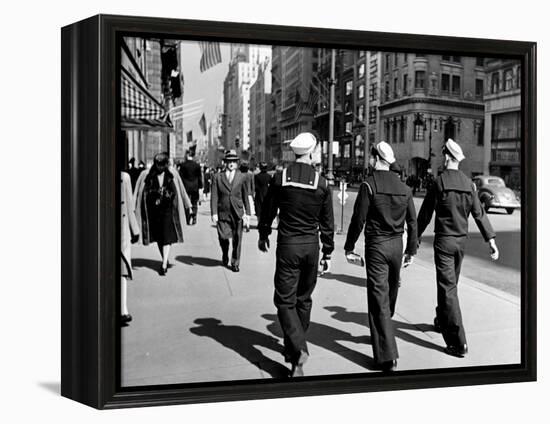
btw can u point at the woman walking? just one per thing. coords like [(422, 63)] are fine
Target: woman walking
[(161, 201)]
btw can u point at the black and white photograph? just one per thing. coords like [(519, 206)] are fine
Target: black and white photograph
[(291, 212)]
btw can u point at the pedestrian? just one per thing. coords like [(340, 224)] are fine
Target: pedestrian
[(383, 205), (304, 201), (230, 208), (129, 234), (133, 172), (161, 201), (249, 182), (191, 175), (207, 181), (261, 184), (453, 197)]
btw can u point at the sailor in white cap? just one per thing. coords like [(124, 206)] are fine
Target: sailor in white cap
[(453, 197), (304, 201), (383, 205)]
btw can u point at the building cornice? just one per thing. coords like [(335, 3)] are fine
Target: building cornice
[(432, 101)]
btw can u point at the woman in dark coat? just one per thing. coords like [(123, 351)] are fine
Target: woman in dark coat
[(160, 203)]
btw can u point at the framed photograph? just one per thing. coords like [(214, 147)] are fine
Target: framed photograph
[(255, 211)]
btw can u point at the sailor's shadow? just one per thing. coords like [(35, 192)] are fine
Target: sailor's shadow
[(348, 279), (244, 342), (329, 338), (361, 318)]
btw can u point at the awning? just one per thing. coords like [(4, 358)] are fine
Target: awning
[(139, 109)]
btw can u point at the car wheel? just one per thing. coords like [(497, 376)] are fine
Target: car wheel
[(510, 211)]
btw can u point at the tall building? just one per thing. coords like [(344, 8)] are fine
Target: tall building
[(260, 114), (244, 66), (427, 99), (503, 119)]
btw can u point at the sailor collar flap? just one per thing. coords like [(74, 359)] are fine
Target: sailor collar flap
[(386, 182), (455, 181), (300, 175)]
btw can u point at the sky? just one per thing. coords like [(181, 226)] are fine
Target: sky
[(198, 85)]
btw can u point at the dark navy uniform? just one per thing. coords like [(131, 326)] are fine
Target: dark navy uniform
[(384, 204), (304, 201), (453, 197)]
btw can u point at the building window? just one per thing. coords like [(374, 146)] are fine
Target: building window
[(456, 84), (445, 83), (395, 59), (387, 91), (418, 130), (372, 115), (480, 131), (508, 79), (387, 62), (518, 77), (479, 88), (402, 127), (405, 84), (446, 58), (349, 87), (395, 87), (361, 113), (372, 92), (419, 79), (457, 59), (361, 91), (361, 70), (394, 131), (494, 82), (479, 61), (348, 126), (405, 57)]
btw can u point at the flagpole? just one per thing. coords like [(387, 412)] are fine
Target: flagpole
[(330, 175)]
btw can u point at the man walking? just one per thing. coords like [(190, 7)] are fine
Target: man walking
[(453, 197), (191, 175), (304, 201), (383, 205), (261, 184), (229, 208)]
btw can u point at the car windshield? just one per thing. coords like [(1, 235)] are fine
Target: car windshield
[(497, 182)]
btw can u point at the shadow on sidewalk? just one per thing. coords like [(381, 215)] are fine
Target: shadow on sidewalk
[(243, 341), (348, 279), (194, 260), (361, 318), (146, 263), (328, 338)]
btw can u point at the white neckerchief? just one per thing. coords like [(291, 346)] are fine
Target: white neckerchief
[(230, 175), (161, 179)]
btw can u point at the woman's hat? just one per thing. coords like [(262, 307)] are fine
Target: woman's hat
[(231, 155)]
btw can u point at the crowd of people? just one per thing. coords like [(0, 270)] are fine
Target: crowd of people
[(159, 200)]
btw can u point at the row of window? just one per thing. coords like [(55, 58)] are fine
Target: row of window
[(508, 80), (405, 56)]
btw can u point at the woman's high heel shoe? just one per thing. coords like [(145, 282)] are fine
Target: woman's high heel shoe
[(163, 270)]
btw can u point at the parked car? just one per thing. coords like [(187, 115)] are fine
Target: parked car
[(493, 193)]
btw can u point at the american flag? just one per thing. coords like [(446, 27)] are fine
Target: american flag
[(312, 98), (202, 124), (210, 55)]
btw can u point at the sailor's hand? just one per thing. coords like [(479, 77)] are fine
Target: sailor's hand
[(263, 245), (407, 260), (135, 238), (494, 249), (215, 218), (324, 265)]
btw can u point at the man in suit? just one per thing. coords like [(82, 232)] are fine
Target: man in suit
[(261, 184), (191, 175), (230, 207)]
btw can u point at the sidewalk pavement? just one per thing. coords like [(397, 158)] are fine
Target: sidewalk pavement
[(201, 322)]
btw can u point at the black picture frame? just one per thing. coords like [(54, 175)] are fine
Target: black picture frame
[(90, 215)]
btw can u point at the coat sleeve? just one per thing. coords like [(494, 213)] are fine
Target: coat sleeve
[(269, 209), (360, 211), (326, 223), (244, 194), (131, 206), (412, 228), (480, 217), (181, 188), (214, 195), (427, 209)]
